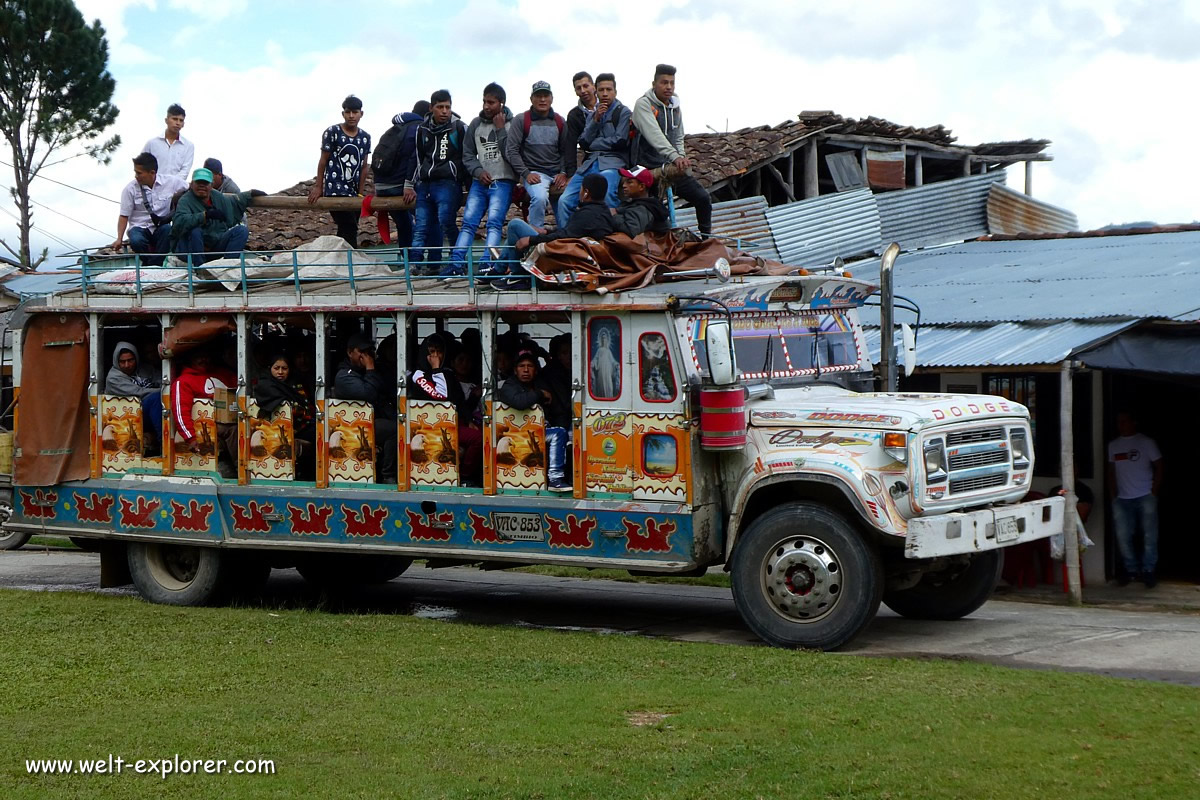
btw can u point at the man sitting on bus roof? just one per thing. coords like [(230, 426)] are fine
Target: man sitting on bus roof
[(206, 221), (221, 182), (357, 379), (640, 211), (526, 390), (146, 208)]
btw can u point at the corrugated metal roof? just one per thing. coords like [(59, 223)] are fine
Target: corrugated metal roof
[(1005, 344), (35, 283), (1152, 276), (812, 232), (738, 219), (1012, 212), (937, 213)]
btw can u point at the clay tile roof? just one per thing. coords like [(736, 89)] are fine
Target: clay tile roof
[(283, 229)]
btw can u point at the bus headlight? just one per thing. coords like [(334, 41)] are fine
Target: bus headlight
[(935, 462), (1019, 442)]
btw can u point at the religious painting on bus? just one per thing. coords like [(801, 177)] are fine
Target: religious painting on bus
[(604, 358), (432, 443), (608, 459), (656, 377), (350, 426), (520, 448), (204, 424), (120, 433), (272, 444), (661, 470)]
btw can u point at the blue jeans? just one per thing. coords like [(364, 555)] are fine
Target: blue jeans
[(539, 199), (403, 219), (556, 444), (436, 217), (1128, 516), (152, 409), (142, 240), (495, 199), (570, 196), (232, 242), (517, 229)]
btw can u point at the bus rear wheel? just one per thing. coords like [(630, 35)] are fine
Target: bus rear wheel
[(178, 575), (341, 571), (952, 593), (804, 577), (10, 540)]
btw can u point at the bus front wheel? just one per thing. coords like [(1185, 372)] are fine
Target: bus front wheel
[(804, 577), (950, 593)]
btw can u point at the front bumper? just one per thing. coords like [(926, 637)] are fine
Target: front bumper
[(972, 531)]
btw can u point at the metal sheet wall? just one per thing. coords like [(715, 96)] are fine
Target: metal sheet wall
[(743, 219), (812, 232), (1013, 212), (938, 213)]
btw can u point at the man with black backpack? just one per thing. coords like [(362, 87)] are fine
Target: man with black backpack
[(437, 180), (393, 164), (536, 149)]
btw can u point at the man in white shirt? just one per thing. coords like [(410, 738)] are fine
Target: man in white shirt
[(146, 210), (1135, 471), (174, 153)]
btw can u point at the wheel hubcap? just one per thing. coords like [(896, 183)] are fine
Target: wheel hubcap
[(802, 578), (173, 567)]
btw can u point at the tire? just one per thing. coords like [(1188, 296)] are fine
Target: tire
[(342, 571), (951, 593), (10, 540), (178, 575), (804, 577)]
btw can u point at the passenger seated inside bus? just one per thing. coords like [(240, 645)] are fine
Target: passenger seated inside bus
[(358, 379), (527, 389), (128, 378), (276, 387), (433, 379), (197, 379)]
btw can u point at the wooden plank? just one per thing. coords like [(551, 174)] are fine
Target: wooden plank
[(787, 189), (328, 203), (811, 187)]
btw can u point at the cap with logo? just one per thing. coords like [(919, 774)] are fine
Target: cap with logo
[(541, 86), (639, 174)]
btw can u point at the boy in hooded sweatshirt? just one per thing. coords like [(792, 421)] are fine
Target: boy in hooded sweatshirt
[(127, 378), (435, 379), (659, 123), (437, 181), (198, 380), (492, 187)]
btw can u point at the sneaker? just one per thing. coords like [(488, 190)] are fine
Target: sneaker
[(451, 271), (512, 284), (558, 485), (1150, 579)]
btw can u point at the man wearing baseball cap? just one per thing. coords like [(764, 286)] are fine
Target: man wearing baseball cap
[(640, 210), (206, 221), (536, 148), (221, 182)]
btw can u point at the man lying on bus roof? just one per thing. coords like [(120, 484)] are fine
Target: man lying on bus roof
[(526, 390), (206, 221)]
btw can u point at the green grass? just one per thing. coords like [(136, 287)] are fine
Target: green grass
[(378, 706), (708, 579), (50, 541)]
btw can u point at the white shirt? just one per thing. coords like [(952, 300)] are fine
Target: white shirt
[(1133, 460), (173, 159), (165, 187)]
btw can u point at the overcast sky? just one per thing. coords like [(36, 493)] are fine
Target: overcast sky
[(1111, 82)]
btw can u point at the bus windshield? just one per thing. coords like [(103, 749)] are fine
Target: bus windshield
[(785, 345)]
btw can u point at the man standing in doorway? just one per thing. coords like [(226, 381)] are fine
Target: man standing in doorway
[(174, 153), (342, 168), (1135, 472), (659, 123)]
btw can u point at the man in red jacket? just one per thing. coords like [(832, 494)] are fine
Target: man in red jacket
[(198, 380)]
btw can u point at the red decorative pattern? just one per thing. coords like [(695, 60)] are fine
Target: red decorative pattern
[(40, 504), (575, 533), (192, 517), (481, 531), (252, 517), (421, 530), (367, 522), (94, 508), (310, 520), (139, 514), (655, 539)]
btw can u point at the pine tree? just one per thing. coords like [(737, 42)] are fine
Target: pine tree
[(55, 92)]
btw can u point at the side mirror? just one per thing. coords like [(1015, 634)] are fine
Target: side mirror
[(909, 345), (718, 343)]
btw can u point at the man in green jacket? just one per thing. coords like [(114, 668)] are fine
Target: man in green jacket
[(206, 222)]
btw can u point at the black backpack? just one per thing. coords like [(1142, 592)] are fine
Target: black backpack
[(386, 159)]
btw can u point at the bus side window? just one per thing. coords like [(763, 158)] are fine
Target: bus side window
[(604, 358)]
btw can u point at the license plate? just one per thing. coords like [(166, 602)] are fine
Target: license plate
[(1007, 529), (518, 527)]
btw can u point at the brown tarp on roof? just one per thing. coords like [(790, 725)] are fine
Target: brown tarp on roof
[(192, 331), (53, 426), (617, 263)]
